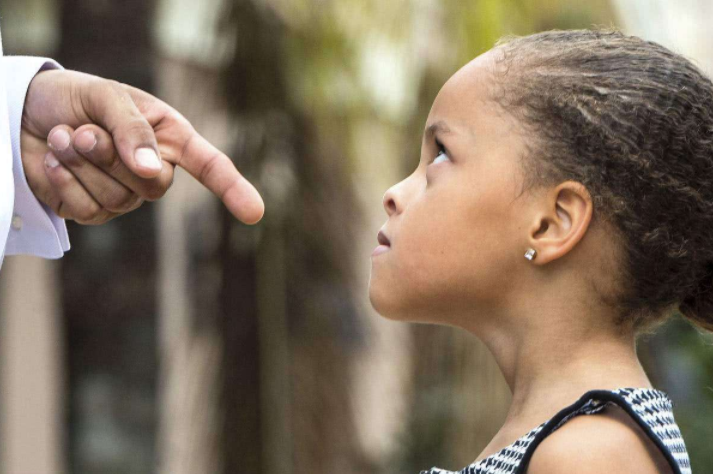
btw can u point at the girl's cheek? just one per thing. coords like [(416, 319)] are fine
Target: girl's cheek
[(434, 169), (429, 176), (435, 174)]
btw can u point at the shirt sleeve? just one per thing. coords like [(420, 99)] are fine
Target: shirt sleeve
[(35, 229)]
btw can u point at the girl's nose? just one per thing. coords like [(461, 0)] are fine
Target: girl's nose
[(390, 201)]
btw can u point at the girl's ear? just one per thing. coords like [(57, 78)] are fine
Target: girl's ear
[(564, 218)]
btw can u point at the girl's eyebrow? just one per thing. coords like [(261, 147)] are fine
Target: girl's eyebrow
[(439, 126)]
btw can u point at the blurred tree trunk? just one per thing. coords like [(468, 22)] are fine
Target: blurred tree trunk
[(31, 368), (210, 385), (257, 322), (32, 362), (307, 325), (190, 343), (109, 286)]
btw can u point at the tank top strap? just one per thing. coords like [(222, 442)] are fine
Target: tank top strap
[(650, 408)]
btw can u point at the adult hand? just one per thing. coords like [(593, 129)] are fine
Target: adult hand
[(105, 142)]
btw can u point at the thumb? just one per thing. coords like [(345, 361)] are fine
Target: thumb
[(111, 107)]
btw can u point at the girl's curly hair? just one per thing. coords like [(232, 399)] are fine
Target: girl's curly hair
[(633, 122)]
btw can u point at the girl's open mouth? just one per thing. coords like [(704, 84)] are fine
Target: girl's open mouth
[(384, 244)]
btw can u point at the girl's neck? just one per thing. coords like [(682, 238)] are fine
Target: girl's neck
[(548, 369)]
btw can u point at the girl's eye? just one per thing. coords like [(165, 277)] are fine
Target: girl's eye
[(442, 154), (441, 157)]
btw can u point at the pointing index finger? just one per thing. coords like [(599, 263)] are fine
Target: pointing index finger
[(182, 145), (214, 170)]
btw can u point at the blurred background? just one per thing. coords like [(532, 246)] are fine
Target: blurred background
[(177, 340)]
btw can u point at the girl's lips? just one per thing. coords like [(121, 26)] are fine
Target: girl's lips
[(380, 249), (384, 246)]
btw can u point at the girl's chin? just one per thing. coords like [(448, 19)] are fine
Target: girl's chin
[(393, 299), (383, 302), (390, 307)]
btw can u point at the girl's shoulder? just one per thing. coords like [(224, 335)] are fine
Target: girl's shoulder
[(612, 442), (634, 426)]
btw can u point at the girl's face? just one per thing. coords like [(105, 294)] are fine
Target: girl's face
[(456, 231)]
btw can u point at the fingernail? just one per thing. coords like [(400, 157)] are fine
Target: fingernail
[(85, 141), (51, 160), (59, 140), (147, 158)]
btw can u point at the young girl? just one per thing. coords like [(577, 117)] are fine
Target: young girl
[(563, 203)]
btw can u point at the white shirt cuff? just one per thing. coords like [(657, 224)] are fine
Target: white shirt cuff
[(35, 228)]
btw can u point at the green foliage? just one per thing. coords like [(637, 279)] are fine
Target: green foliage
[(679, 360)]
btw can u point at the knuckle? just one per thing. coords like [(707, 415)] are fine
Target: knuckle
[(108, 86), (136, 205), (170, 177), (99, 88), (60, 178), (100, 218), (173, 116), (46, 194), (71, 159), (48, 199), (209, 167), (105, 217), (52, 202), (105, 157), (88, 222), (120, 202), (156, 188), (88, 213), (113, 83), (112, 163), (153, 192), (77, 98), (137, 127), (61, 210)]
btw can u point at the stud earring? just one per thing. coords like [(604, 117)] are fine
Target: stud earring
[(530, 254)]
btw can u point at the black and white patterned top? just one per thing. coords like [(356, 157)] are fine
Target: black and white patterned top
[(650, 408)]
